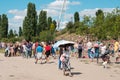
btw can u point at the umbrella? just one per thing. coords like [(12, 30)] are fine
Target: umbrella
[(62, 43)]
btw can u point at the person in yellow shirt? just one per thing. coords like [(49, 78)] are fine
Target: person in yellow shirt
[(116, 46), (116, 49)]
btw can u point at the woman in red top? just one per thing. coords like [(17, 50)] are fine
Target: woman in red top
[(47, 51)]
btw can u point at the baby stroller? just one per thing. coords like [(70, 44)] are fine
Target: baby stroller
[(66, 64), (106, 58)]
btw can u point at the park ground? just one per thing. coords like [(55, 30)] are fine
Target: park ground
[(18, 68)]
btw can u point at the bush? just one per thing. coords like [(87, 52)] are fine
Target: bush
[(46, 36)]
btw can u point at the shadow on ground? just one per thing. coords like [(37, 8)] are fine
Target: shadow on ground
[(76, 73)]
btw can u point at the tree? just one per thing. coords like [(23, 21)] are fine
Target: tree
[(99, 17), (11, 34), (15, 33), (0, 20), (30, 22), (0, 27), (49, 22), (46, 36), (76, 17), (103, 26), (52, 28), (20, 31), (55, 23), (70, 25), (86, 20), (42, 22), (4, 26), (27, 32)]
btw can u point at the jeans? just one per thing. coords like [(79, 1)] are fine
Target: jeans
[(96, 52), (59, 63), (92, 55), (89, 52)]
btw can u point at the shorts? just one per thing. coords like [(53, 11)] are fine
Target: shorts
[(39, 55), (47, 53)]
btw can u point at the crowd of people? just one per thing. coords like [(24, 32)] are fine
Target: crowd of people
[(42, 50)]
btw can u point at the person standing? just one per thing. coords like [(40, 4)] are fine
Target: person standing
[(116, 46), (53, 51), (25, 50), (116, 49), (59, 61), (47, 51), (29, 46), (89, 47), (39, 51), (76, 49), (80, 50)]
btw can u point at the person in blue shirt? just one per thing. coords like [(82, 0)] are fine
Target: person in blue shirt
[(39, 52)]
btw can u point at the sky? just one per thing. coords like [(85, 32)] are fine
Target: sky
[(16, 9)]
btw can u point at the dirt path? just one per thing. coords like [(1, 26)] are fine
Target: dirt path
[(18, 68)]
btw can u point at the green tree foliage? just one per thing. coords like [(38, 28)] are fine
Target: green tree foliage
[(46, 36), (11, 34), (20, 32), (70, 27), (27, 32), (4, 26), (52, 28), (99, 18), (103, 26), (49, 22), (15, 33), (76, 17), (0, 20), (30, 22), (0, 27), (55, 23), (43, 20)]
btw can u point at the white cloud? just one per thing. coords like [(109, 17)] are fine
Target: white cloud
[(16, 21), (52, 12), (53, 9), (91, 12), (18, 17), (57, 5), (18, 12)]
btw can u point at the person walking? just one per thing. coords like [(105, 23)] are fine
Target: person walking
[(39, 51), (59, 61), (47, 51)]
